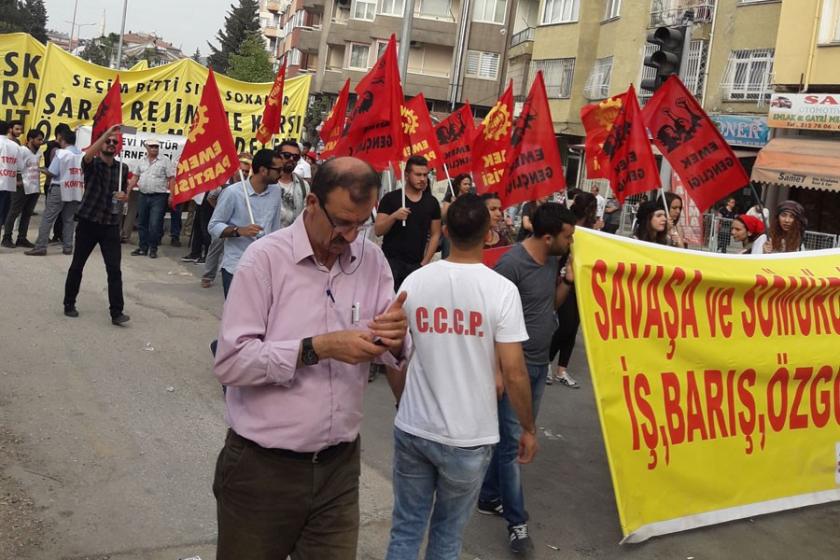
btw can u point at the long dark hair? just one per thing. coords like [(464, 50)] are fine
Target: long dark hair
[(790, 241), (585, 209), (669, 199), (456, 187), (644, 215)]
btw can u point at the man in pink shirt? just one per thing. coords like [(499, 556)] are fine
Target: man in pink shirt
[(313, 304)]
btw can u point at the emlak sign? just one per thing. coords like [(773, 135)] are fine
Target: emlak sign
[(805, 111)]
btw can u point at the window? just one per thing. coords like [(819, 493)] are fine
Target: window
[(748, 75), (380, 48), (560, 11), (482, 65), (392, 7), (830, 22), (558, 74), (613, 9), (490, 11), (295, 57), (364, 9), (359, 56), (598, 84), (438, 9)]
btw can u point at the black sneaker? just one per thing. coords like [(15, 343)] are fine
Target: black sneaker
[(175, 242), (200, 260), (490, 507), (7, 242), (24, 243), (120, 319), (520, 542), (152, 253), (189, 258), (70, 311), (139, 253)]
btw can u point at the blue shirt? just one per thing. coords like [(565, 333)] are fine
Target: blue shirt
[(231, 210)]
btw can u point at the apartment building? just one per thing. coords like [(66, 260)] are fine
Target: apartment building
[(456, 52)]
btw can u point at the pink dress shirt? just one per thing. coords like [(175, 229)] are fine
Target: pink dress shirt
[(280, 296)]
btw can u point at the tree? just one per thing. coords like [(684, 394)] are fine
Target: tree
[(240, 22), (319, 107), (101, 50), (27, 16), (197, 55), (251, 63)]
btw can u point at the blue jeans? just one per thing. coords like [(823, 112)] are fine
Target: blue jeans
[(437, 479), (152, 209), (503, 480), (175, 221), (227, 278)]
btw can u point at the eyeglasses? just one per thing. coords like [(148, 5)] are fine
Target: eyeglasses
[(111, 142), (342, 228), (289, 155)]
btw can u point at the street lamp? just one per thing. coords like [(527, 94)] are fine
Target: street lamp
[(122, 32)]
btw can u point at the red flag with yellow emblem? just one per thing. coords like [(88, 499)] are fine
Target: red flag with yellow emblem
[(270, 122), (333, 125), (454, 135), (209, 157), (490, 145), (420, 139), (598, 119)]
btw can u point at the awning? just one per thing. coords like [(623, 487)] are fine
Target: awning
[(799, 162)]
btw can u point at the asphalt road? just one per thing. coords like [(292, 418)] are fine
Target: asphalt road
[(109, 435)]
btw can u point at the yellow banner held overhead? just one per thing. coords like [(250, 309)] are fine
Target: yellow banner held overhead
[(160, 100), (21, 59), (717, 379)]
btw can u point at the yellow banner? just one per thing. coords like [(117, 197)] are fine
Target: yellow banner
[(20, 71), (159, 100), (717, 379)]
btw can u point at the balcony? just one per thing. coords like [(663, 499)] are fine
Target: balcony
[(306, 39), (668, 13), (271, 32), (523, 36), (273, 6), (314, 5)]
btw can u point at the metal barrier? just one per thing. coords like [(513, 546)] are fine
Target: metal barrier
[(814, 240)]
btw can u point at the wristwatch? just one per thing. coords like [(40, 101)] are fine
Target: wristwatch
[(235, 232), (307, 352)]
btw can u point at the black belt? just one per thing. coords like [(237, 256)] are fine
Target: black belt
[(326, 454)]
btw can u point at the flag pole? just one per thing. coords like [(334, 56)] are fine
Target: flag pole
[(449, 179), (247, 199), (391, 168)]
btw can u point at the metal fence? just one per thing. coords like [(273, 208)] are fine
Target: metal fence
[(817, 240)]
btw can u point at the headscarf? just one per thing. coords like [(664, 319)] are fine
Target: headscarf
[(755, 227), (794, 208)]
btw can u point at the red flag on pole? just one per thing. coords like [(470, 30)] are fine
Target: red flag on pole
[(632, 167), (420, 134), (108, 114), (690, 141), (209, 157), (492, 140), (374, 128), (333, 125), (270, 122), (454, 136), (598, 119), (535, 168)]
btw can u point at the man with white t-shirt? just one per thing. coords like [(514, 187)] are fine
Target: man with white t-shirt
[(601, 202), (9, 152), (26, 197), (464, 319)]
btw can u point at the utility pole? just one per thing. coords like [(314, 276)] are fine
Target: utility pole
[(122, 32), (405, 39), (73, 24)]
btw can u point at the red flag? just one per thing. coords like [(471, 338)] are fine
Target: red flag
[(598, 119), (270, 122), (108, 114), (420, 134), (690, 141), (491, 256), (333, 125), (632, 167), (492, 139), (454, 136), (374, 128), (535, 168), (209, 157)]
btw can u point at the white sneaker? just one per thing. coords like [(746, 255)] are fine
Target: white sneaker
[(566, 379)]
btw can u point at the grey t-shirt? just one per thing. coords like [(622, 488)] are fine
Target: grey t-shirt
[(536, 284)]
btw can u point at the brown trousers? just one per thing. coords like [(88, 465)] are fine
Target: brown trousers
[(271, 506)]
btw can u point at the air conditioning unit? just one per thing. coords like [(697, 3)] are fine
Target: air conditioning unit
[(415, 44)]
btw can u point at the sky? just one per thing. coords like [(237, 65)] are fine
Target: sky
[(184, 23)]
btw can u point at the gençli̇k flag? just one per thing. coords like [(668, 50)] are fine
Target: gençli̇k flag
[(270, 122), (374, 132), (632, 167), (491, 143), (691, 142), (454, 136), (420, 139), (597, 119), (108, 114), (333, 125), (536, 169), (209, 157)]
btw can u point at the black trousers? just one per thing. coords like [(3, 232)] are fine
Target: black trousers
[(400, 271), (88, 236), (563, 340), (22, 205), (200, 237)]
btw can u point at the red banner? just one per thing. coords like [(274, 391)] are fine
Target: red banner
[(270, 122), (209, 157), (491, 256), (333, 125), (536, 169), (419, 133), (490, 145), (108, 114), (632, 167), (374, 132), (454, 136), (598, 119), (690, 141)]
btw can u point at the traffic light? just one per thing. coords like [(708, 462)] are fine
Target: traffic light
[(665, 61)]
